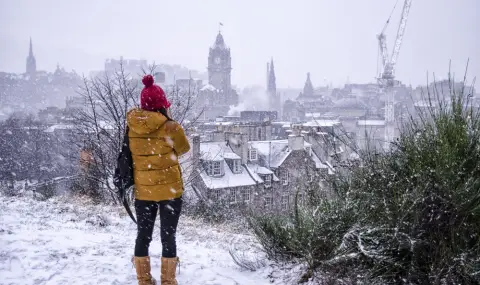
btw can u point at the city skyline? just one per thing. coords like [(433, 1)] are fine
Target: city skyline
[(347, 49)]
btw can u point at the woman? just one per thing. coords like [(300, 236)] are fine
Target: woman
[(156, 142)]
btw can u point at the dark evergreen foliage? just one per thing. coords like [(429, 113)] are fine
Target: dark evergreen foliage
[(407, 216)]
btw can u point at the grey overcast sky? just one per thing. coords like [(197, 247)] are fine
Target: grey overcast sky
[(332, 39)]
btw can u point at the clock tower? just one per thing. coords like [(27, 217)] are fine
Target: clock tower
[(220, 66)]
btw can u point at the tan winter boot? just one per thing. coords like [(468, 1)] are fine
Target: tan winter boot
[(142, 266), (169, 268)]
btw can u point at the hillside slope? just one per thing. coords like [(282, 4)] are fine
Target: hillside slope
[(58, 242)]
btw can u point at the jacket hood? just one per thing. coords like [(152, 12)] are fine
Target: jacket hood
[(144, 122)]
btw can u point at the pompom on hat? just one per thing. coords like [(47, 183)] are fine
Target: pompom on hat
[(152, 96)]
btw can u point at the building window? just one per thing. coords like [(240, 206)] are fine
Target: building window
[(214, 168), (300, 198), (308, 150), (232, 198), (285, 178), (215, 196), (252, 154), (268, 202), (209, 137), (236, 166), (246, 195), (284, 202), (267, 179)]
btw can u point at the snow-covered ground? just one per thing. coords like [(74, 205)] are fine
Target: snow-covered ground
[(60, 242)]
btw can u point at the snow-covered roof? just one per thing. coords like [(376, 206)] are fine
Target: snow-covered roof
[(251, 170), (318, 162), (275, 152), (256, 170), (331, 170), (219, 151), (371, 123), (231, 155), (215, 151), (208, 87), (314, 115), (263, 170), (222, 123), (229, 179), (322, 123), (52, 128)]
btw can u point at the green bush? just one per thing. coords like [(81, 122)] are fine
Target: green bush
[(310, 233), (407, 216)]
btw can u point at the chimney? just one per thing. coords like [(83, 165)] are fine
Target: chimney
[(218, 136), (296, 140), (244, 148), (268, 131), (239, 144), (195, 150)]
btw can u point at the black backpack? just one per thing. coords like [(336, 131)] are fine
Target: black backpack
[(123, 177)]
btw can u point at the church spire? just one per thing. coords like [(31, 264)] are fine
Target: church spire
[(273, 97), (30, 53), (31, 62), (271, 84), (308, 88)]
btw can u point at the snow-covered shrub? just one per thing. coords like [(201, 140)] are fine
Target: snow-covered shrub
[(216, 213), (247, 261), (98, 220), (407, 216), (311, 233)]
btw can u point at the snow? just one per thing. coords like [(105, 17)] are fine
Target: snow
[(275, 152), (318, 162), (251, 170), (216, 151), (222, 123), (371, 123), (263, 170), (322, 123), (331, 170), (231, 155), (208, 87), (312, 115), (229, 179), (52, 128), (55, 242)]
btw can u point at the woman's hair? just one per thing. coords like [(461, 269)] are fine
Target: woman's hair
[(164, 112)]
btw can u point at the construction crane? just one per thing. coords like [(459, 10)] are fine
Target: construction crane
[(386, 79)]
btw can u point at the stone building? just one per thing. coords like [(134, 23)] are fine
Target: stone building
[(35, 89), (263, 174), (314, 100)]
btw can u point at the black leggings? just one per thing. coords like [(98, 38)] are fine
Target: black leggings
[(169, 215)]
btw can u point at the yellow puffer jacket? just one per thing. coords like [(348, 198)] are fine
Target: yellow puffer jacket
[(156, 144)]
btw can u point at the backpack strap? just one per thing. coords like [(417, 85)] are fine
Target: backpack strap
[(127, 207)]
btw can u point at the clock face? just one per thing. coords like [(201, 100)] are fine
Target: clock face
[(217, 60)]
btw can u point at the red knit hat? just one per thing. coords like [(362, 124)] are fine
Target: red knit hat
[(152, 97)]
